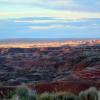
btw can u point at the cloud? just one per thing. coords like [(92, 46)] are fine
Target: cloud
[(49, 13), (69, 29), (68, 26), (71, 5), (46, 27), (35, 21), (84, 24), (40, 2), (42, 21), (57, 4), (69, 9), (19, 1), (74, 5), (51, 23)]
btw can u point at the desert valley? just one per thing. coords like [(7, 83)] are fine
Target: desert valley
[(70, 66)]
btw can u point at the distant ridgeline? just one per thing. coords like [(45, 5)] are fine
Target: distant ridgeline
[(28, 43)]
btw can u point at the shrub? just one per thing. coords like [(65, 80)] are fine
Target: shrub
[(90, 94), (66, 96), (22, 92), (44, 96), (9, 95)]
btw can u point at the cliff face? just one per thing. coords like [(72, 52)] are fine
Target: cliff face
[(51, 67)]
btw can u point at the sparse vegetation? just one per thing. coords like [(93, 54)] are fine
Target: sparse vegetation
[(24, 93)]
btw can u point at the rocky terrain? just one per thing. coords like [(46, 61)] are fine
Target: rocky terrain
[(51, 68)]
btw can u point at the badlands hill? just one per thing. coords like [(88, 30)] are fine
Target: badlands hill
[(52, 66)]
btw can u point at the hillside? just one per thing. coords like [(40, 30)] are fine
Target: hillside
[(59, 68)]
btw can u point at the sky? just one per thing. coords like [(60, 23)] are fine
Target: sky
[(49, 19)]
